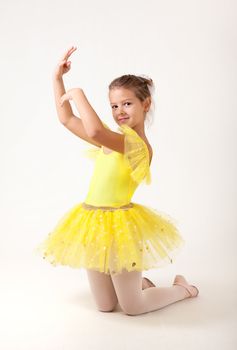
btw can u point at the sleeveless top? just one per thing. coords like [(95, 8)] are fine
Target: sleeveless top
[(117, 175)]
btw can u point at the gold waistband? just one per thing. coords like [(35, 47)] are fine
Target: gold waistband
[(89, 206)]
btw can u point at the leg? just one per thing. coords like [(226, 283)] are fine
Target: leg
[(103, 290), (134, 301)]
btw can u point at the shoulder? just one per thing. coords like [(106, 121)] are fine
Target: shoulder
[(125, 129)]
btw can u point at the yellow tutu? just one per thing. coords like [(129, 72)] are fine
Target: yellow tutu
[(108, 232), (138, 238)]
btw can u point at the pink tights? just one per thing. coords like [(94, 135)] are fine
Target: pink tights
[(126, 288)]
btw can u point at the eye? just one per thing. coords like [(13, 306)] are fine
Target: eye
[(128, 103)]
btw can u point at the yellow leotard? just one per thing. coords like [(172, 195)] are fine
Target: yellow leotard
[(113, 183), (107, 232)]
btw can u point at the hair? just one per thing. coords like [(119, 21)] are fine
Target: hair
[(142, 86)]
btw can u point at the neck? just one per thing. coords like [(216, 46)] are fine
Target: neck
[(140, 130)]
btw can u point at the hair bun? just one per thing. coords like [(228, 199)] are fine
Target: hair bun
[(146, 79)]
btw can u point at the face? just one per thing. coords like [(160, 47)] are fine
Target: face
[(126, 107)]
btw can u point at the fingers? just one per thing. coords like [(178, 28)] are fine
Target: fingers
[(68, 52), (66, 65)]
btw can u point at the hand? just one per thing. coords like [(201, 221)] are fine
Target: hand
[(63, 66), (68, 95)]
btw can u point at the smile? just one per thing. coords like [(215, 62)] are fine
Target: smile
[(122, 118)]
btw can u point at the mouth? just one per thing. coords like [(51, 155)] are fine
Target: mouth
[(122, 119)]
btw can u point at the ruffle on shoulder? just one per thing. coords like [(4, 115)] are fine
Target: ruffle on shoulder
[(93, 151), (137, 154)]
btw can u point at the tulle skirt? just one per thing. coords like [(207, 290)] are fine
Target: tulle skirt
[(135, 238)]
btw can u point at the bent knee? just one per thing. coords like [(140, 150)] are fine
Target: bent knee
[(131, 313), (130, 310), (106, 307)]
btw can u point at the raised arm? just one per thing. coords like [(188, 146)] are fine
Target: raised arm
[(90, 127), (64, 112)]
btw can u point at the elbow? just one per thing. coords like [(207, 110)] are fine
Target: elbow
[(94, 134), (64, 121)]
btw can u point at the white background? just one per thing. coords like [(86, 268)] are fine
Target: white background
[(189, 49)]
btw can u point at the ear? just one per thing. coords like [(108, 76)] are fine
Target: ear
[(147, 103)]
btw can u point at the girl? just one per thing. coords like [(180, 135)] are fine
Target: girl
[(113, 238)]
